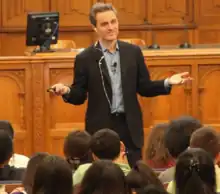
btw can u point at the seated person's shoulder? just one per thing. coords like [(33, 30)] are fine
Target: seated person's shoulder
[(19, 161), (171, 187), (83, 168), (80, 172), (167, 175), (124, 167), (21, 157)]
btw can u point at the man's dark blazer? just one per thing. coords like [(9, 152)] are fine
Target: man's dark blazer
[(135, 79)]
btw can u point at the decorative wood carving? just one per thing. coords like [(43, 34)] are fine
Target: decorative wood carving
[(171, 11), (73, 12), (132, 13), (209, 93), (14, 12), (15, 102), (166, 107), (43, 120), (209, 12), (210, 36), (38, 106), (63, 117)]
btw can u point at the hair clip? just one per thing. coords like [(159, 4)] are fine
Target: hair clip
[(194, 165)]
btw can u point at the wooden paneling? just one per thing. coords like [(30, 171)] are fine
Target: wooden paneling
[(0, 44), (170, 37), (134, 16), (137, 19), (82, 39), (132, 13), (15, 101), (73, 12), (42, 120), (208, 12), (14, 12), (60, 121), (133, 34), (209, 36), (169, 103), (170, 11), (209, 92), (12, 44)]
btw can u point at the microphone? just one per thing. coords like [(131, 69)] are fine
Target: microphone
[(186, 43), (153, 37), (114, 66)]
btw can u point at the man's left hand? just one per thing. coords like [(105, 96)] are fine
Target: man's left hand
[(179, 78)]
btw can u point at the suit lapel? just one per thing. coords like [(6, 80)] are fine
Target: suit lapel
[(107, 80), (102, 62), (123, 59)]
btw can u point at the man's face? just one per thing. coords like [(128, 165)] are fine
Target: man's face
[(107, 25)]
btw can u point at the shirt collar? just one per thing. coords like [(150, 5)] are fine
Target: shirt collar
[(105, 49)]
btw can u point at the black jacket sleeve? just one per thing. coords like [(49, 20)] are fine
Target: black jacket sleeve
[(145, 86), (78, 90)]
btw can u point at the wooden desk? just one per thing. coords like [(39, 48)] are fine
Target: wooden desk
[(42, 120)]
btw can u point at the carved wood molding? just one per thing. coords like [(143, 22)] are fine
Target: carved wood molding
[(122, 28), (38, 105)]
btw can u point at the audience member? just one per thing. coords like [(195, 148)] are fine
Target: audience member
[(207, 138), (157, 155), (105, 145), (195, 173), (28, 180), (53, 176), (104, 177), (141, 176), (177, 139), (17, 160), (77, 148), (6, 151)]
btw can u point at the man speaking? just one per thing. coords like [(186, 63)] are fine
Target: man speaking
[(111, 73)]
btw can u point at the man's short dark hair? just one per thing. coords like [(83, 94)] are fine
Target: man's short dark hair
[(105, 144), (98, 8), (178, 134), (6, 147), (7, 127), (77, 148), (206, 138), (77, 144)]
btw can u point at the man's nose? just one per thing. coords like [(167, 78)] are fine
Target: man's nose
[(110, 26)]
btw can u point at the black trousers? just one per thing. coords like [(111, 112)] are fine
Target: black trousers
[(119, 125)]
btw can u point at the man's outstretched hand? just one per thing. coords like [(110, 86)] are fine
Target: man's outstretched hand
[(180, 78)]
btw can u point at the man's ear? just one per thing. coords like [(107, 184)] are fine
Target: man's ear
[(122, 147), (94, 28), (94, 157)]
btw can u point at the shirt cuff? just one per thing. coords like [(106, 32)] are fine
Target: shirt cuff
[(66, 96), (166, 84)]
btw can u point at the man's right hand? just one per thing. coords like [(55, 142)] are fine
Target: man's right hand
[(59, 89)]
